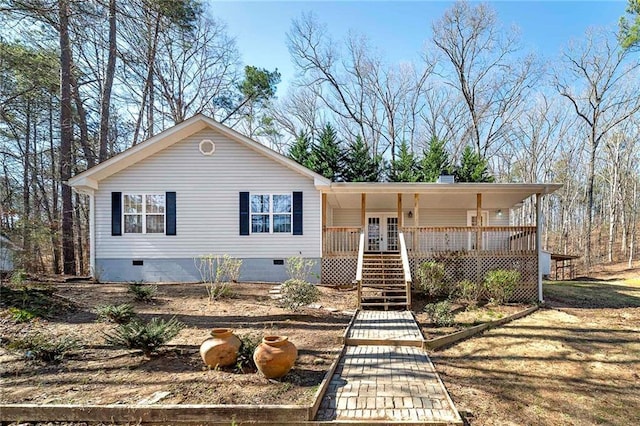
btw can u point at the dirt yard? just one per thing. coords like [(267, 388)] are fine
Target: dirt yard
[(101, 374), (576, 362)]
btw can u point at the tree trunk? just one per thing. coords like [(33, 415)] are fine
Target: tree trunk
[(26, 191), (105, 102), (55, 223), (66, 135)]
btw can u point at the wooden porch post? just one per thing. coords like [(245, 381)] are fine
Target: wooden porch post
[(400, 215), (478, 220), (538, 245), (324, 221), (363, 210), (416, 219)]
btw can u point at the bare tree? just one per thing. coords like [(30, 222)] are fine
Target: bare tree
[(488, 71), (602, 88)]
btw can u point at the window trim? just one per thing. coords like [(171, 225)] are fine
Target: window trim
[(144, 213), (271, 213)]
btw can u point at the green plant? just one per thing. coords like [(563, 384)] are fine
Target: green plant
[(143, 292), (440, 313), (120, 314), (21, 315), (18, 277), (297, 293), (146, 336), (431, 279), (501, 284), (469, 292), (299, 268), (43, 347), (248, 345)]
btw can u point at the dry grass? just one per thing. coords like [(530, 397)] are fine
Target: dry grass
[(575, 363)]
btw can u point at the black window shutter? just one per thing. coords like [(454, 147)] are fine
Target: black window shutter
[(170, 199), (244, 213), (297, 213), (116, 213)]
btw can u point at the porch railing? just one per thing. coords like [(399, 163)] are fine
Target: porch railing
[(341, 240), (406, 268), (494, 240)]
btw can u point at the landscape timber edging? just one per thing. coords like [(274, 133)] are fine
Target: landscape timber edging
[(166, 414), (313, 409), (449, 339)]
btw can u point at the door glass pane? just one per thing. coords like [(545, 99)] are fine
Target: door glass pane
[(392, 233), (373, 234)]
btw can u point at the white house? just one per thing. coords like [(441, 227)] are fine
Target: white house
[(202, 188)]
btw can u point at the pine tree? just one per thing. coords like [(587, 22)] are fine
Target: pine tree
[(301, 151), (405, 167), (435, 161), (327, 154), (360, 166), (473, 168)]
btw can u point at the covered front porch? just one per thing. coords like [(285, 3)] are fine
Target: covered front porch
[(466, 226)]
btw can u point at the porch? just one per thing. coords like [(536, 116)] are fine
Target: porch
[(465, 226)]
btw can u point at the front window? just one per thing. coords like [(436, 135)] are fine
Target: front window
[(270, 213), (144, 214)]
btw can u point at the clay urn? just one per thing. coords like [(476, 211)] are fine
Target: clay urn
[(221, 349), (275, 356)]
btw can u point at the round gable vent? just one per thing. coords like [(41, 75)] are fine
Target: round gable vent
[(207, 147)]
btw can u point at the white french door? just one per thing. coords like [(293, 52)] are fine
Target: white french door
[(472, 220), (382, 232)]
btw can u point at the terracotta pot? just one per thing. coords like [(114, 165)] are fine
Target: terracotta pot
[(221, 349), (275, 356)]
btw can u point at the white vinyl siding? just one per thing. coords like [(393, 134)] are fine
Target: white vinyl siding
[(207, 203), (428, 217)]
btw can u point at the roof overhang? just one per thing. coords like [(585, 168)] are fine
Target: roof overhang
[(90, 179), (436, 195)]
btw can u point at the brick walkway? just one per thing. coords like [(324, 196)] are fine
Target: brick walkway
[(384, 327), (387, 382)]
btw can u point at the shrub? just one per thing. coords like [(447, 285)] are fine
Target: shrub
[(21, 315), (229, 268), (469, 292), (18, 277), (298, 293), (440, 313), (431, 279), (216, 273), (147, 337), (43, 347), (120, 314), (143, 292), (501, 284), (248, 345), (299, 268)]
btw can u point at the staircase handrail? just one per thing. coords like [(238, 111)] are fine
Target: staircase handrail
[(405, 267)]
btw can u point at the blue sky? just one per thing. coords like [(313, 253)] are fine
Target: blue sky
[(399, 29)]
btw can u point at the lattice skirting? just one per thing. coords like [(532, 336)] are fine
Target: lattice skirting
[(475, 268), (339, 270)]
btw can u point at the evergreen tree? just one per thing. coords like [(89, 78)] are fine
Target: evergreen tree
[(301, 151), (360, 166), (435, 161), (404, 168), (473, 167), (327, 154)]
